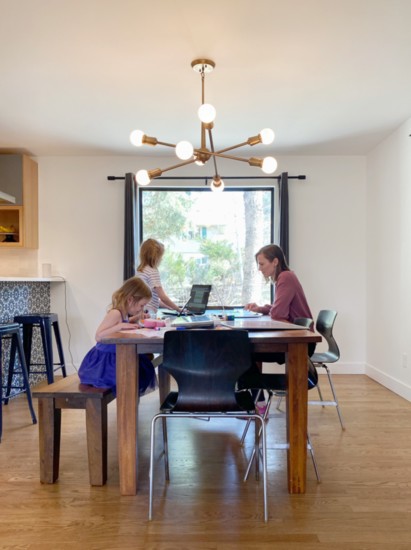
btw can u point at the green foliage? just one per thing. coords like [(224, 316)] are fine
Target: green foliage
[(165, 214)]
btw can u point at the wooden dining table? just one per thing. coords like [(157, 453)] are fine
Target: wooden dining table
[(291, 342)]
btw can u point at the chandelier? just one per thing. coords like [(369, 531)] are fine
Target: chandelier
[(201, 155)]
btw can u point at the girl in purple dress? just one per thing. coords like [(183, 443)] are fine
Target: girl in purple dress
[(98, 367)]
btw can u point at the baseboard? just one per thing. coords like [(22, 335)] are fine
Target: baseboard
[(389, 382)]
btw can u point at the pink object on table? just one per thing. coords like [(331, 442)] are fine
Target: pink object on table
[(153, 323)]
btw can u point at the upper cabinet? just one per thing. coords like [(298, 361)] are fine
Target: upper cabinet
[(18, 202)]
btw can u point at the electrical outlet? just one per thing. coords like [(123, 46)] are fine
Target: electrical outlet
[(404, 361)]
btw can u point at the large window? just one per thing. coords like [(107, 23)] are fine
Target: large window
[(210, 238)]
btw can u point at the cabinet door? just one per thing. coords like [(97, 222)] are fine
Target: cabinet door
[(11, 177), (19, 178), (11, 226)]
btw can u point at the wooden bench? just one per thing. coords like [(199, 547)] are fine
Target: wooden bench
[(69, 393)]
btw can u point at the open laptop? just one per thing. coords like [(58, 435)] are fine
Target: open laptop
[(198, 301)]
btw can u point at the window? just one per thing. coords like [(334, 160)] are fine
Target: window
[(210, 238)]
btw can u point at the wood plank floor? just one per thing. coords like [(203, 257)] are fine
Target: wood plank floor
[(363, 502)]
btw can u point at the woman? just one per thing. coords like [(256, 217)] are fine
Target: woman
[(289, 304), (289, 298)]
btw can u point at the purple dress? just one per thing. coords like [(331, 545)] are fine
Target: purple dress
[(98, 369)]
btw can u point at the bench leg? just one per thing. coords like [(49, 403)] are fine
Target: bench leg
[(49, 439), (96, 426)]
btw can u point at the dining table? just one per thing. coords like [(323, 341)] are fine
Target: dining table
[(293, 342)]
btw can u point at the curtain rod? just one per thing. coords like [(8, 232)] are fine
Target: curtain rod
[(300, 177)]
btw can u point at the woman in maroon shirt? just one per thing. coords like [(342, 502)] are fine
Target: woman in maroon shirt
[(289, 301)]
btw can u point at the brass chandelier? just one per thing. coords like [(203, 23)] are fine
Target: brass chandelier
[(187, 153)]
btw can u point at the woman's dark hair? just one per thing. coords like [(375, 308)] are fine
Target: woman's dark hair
[(272, 251)]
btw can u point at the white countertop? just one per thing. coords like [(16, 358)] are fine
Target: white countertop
[(11, 279)]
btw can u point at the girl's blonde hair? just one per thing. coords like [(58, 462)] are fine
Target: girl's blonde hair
[(134, 288), (151, 253)]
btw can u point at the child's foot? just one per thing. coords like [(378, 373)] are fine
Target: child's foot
[(261, 408)]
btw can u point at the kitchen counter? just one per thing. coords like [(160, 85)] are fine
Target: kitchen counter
[(12, 279)]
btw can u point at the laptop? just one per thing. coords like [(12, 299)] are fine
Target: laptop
[(198, 301)]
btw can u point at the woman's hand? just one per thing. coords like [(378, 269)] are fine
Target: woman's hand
[(252, 307)]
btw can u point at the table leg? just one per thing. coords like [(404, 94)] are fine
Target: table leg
[(127, 410), (297, 398)]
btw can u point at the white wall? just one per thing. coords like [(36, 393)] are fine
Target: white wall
[(81, 234), (389, 262)]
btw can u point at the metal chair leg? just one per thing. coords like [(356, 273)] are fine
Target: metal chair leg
[(335, 397)]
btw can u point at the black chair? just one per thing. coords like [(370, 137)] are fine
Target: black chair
[(48, 324), (206, 365), (324, 325), (276, 386), (12, 331)]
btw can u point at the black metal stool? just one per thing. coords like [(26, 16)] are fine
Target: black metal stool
[(12, 331), (45, 322)]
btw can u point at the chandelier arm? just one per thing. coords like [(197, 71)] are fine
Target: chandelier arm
[(210, 137), (218, 154), (233, 147), (178, 165), (165, 144)]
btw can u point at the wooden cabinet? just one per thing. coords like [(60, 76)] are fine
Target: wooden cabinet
[(19, 221)]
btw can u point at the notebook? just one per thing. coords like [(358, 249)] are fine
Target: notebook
[(192, 321)]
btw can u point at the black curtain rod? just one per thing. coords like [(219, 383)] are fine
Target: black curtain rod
[(301, 177)]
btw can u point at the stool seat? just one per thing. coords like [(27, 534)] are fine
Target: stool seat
[(35, 317), (12, 330), (48, 324), (7, 328)]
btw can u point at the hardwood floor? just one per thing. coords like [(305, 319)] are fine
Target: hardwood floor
[(363, 502)]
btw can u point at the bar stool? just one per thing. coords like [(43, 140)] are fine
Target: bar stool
[(12, 331), (45, 322)]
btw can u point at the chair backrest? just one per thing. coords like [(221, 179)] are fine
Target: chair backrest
[(324, 325), (206, 365), (303, 321)]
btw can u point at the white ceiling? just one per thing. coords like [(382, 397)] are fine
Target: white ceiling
[(76, 76)]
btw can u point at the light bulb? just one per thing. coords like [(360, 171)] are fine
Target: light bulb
[(184, 150), (136, 138), (142, 177), (217, 184), (206, 113), (267, 136), (269, 165)]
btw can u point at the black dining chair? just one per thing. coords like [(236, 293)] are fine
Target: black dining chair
[(206, 365), (324, 325)]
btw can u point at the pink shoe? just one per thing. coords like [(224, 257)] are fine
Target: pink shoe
[(261, 409)]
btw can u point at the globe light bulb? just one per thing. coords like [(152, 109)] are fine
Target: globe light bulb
[(217, 184), (136, 138), (267, 136), (206, 113), (269, 165), (184, 150), (142, 177)]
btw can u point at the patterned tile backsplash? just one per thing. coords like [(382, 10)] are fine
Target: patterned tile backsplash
[(17, 298)]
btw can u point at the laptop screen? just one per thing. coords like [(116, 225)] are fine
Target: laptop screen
[(198, 301)]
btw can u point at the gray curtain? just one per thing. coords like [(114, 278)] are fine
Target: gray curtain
[(130, 226), (284, 224)]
